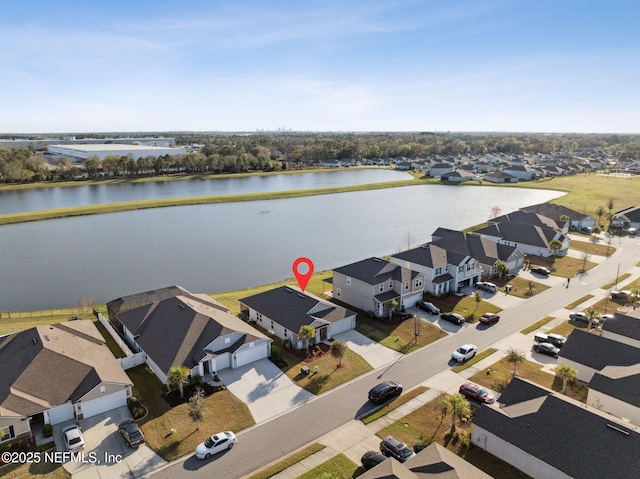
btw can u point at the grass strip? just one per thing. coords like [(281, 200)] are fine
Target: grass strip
[(621, 278), (537, 325), (337, 466), (289, 461), (579, 301), (396, 403), (474, 360)]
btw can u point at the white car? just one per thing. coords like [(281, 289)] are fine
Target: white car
[(73, 438), (215, 444), (465, 352), (487, 286)]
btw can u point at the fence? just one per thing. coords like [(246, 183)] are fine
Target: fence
[(114, 334), (132, 361), (38, 314)]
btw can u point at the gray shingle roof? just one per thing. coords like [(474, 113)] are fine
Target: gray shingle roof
[(369, 270), (527, 218), (577, 440), (597, 352), (473, 245), (553, 211), (428, 255), (520, 233), (624, 325), (622, 383)]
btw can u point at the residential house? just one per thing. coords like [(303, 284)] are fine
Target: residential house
[(404, 165), (439, 169), (192, 331), (332, 163), (459, 176), (500, 177), (55, 373), (557, 212), (547, 435), (433, 462), (444, 270), (284, 310), (624, 328), (486, 252), (372, 283), (615, 390), (629, 217), (522, 172), (589, 353), (530, 239), (553, 170), (535, 219)]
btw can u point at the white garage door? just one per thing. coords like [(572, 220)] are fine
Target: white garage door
[(343, 325), (222, 361), (250, 355), (61, 413), (410, 301), (104, 403)]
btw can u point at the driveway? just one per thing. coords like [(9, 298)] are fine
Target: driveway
[(264, 388), (111, 457), (372, 352)]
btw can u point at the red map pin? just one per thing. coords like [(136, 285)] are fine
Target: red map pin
[(303, 278)]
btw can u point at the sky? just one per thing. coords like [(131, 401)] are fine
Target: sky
[(346, 65)]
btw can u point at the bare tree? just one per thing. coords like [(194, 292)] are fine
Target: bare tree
[(196, 407), (495, 212)]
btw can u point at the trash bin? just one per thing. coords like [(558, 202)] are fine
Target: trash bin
[(304, 370)]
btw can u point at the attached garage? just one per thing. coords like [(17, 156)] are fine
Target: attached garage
[(222, 361), (102, 404), (251, 352), (60, 413), (343, 325)]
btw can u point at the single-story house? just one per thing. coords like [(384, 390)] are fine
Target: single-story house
[(556, 212), (434, 461), (51, 374), (629, 217), (500, 177), (439, 169), (459, 176), (194, 331), (372, 283), (549, 436), (523, 173), (284, 310), (530, 239), (534, 219), (615, 390), (589, 353), (624, 328)]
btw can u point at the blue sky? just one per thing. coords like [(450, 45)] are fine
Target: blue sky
[(348, 65)]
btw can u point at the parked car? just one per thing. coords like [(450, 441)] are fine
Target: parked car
[(372, 459), (586, 229), (454, 318), (623, 294), (428, 307), (605, 317), (582, 318), (546, 348), (392, 447), (489, 318), (485, 285), (131, 433), (463, 353), (541, 270), (556, 339), (384, 391), (475, 392), (215, 444), (632, 231), (73, 438)]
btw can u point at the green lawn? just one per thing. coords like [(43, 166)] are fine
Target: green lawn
[(595, 246), (396, 403), (579, 301), (339, 466), (289, 461), (620, 279), (42, 470), (565, 266), (478, 357), (465, 306), (399, 337), (537, 325)]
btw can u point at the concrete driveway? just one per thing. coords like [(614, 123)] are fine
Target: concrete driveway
[(110, 455), (372, 352), (264, 388)]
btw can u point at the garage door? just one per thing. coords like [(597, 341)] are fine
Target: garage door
[(222, 361), (411, 301), (250, 355), (61, 413), (103, 404)]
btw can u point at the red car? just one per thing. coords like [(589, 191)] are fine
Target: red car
[(473, 391), (489, 318)]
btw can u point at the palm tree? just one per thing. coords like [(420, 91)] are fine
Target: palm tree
[(178, 376), (593, 316), (502, 268), (391, 306), (307, 332), (567, 373), (515, 357), (456, 405), (635, 297), (600, 213), (477, 297), (555, 245)]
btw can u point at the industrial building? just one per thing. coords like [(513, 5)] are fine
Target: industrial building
[(82, 152)]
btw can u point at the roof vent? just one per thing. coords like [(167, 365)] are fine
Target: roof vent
[(46, 338), (301, 295), (182, 306), (377, 260), (35, 341), (288, 290), (626, 433)]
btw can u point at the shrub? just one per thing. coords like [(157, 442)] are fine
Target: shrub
[(23, 444), (420, 444), (465, 438), (195, 380), (133, 401), (47, 430)]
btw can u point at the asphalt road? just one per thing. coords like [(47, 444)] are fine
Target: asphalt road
[(270, 441)]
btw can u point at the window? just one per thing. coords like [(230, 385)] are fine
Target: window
[(406, 285), (390, 284), (381, 287), (103, 389), (6, 433), (419, 282), (272, 324), (259, 316), (338, 292), (348, 280), (461, 268), (286, 333)]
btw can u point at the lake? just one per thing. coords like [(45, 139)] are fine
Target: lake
[(219, 247), (16, 201)]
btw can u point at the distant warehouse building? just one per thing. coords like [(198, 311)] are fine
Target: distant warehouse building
[(82, 152)]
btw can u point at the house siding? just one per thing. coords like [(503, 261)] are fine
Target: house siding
[(613, 406), (19, 425), (620, 338)]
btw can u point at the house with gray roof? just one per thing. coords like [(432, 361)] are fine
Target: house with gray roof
[(459, 176), (433, 462), (589, 353), (500, 177), (444, 270), (522, 172), (547, 435), (284, 310), (615, 390), (629, 217), (530, 239), (372, 283), (439, 169), (535, 219), (51, 374), (191, 330), (556, 212), (624, 328), (486, 252)]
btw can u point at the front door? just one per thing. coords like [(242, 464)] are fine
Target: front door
[(323, 334)]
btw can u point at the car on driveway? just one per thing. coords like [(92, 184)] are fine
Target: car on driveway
[(428, 307), (475, 392), (541, 270), (215, 444), (486, 286), (546, 348), (131, 433), (582, 318), (384, 391), (73, 438), (372, 459), (556, 339), (624, 294), (454, 318), (464, 353), (489, 318), (605, 317), (392, 447)]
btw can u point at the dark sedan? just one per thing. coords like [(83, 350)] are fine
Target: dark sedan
[(131, 433), (546, 348), (372, 459), (454, 318), (428, 307), (384, 391), (541, 270)]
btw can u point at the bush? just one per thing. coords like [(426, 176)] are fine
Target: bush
[(23, 444), (133, 401), (195, 379), (465, 438), (420, 444), (47, 430)]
